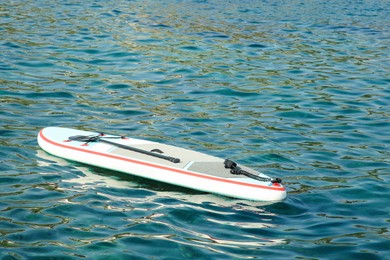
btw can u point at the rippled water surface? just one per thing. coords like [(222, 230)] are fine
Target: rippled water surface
[(296, 89)]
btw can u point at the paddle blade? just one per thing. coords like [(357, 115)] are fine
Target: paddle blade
[(83, 138)]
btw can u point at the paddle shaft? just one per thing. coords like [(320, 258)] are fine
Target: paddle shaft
[(130, 148)]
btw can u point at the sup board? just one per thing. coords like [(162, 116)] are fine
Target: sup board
[(161, 162)]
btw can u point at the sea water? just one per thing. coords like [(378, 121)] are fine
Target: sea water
[(296, 89)]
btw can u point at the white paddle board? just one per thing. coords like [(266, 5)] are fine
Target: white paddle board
[(161, 162)]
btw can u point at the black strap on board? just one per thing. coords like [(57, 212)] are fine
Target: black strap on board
[(102, 138), (235, 169)]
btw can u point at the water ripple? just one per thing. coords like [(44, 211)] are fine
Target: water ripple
[(285, 88)]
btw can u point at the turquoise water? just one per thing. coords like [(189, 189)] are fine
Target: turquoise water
[(296, 89)]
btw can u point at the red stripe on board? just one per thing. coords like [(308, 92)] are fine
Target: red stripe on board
[(158, 166)]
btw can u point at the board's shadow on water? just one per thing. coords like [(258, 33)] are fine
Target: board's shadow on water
[(115, 179), (137, 182), (158, 212), (83, 176)]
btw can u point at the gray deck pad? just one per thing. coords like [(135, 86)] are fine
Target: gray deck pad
[(189, 160)]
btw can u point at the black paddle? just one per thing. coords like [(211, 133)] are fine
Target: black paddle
[(99, 138)]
